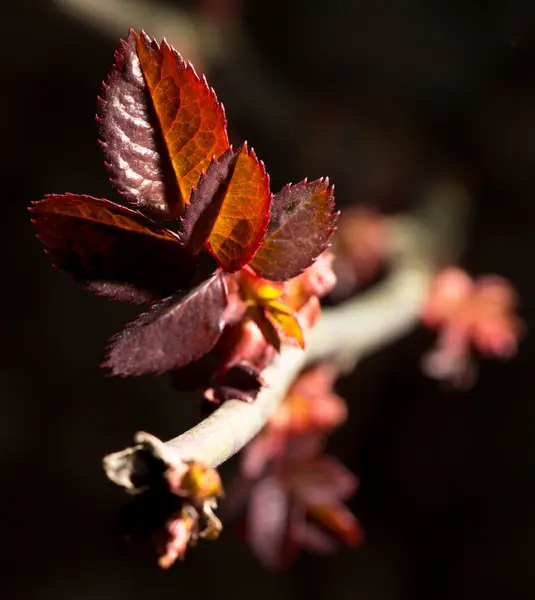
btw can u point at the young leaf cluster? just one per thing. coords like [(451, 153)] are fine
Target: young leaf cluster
[(195, 209)]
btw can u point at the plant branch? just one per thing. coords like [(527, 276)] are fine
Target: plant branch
[(419, 244)]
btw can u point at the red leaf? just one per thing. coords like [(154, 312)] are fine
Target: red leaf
[(244, 215), (173, 333), (302, 221), (132, 139), (191, 119), (116, 251), (205, 202)]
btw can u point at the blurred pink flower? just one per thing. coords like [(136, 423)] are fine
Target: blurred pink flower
[(469, 314)]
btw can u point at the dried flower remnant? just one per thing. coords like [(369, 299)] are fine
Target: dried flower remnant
[(174, 501), (172, 541), (469, 314), (183, 529)]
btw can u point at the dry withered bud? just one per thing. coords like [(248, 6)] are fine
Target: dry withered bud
[(174, 500)]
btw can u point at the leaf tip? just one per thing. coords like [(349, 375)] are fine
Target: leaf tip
[(164, 45)]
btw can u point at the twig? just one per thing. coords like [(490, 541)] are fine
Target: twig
[(418, 245)]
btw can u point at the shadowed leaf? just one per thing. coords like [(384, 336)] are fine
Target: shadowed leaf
[(132, 139), (173, 333), (205, 202), (115, 251), (302, 221), (192, 120), (244, 215)]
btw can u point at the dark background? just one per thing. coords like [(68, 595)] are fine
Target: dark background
[(379, 95)]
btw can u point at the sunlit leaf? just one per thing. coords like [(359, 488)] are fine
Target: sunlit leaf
[(173, 333), (302, 221), (266, 292), (257, 290), (192, 120), (205, 202), (275, 306), (132, 139), (287, 324), (244, 215), (117, 252), (267, 305)]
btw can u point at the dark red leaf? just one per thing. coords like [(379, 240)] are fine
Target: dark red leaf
[(205, 202), (114, 250), (132, 139), (173, 333), (302, 221)]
